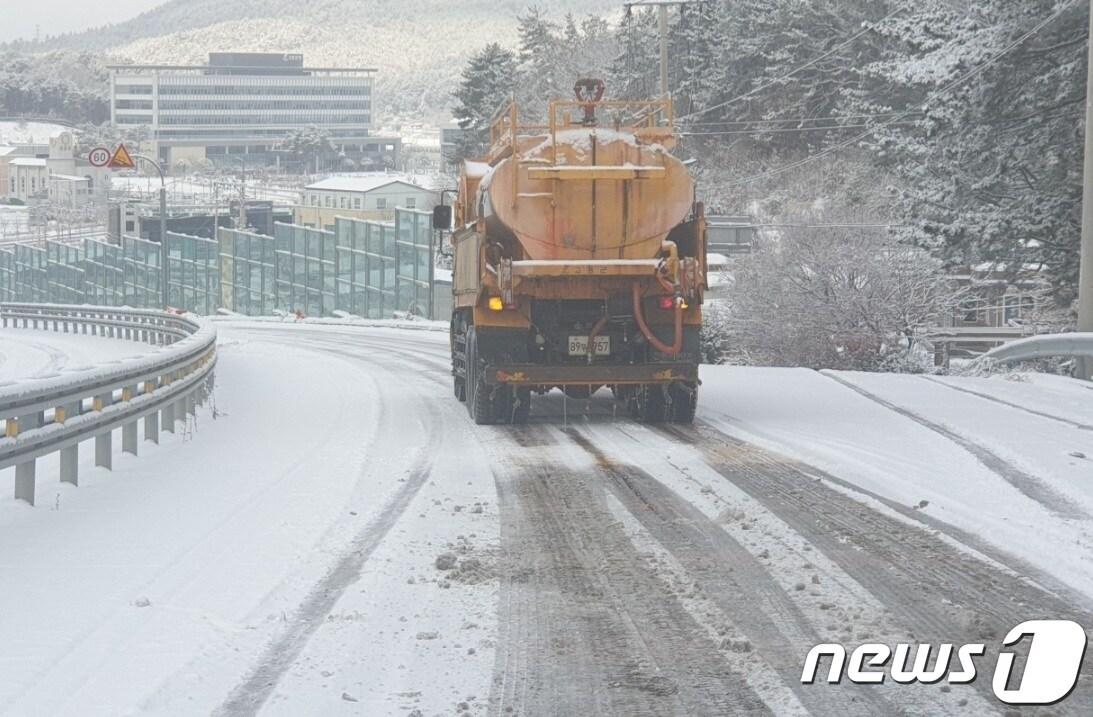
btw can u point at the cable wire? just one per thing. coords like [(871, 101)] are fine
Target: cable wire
[(788, 75)]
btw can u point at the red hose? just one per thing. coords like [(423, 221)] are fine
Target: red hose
[(639, 316), (596, 329)]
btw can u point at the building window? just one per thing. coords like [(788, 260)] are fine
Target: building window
[(341, 202), (314, 200), (971, 311), (356, 202), (411, 202), (381, 203), (1017, 308), (329, 201)]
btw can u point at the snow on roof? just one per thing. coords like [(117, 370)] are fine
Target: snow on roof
[(362, 183), (5, 151), (27, 162), (717, 259), (1002, 266), (70, 177)]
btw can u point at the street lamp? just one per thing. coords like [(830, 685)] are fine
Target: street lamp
[(162, 225)]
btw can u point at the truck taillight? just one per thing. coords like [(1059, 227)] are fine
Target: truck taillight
[(667, 303)]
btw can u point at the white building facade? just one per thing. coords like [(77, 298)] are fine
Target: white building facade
[(362, 197), (28, 178), (242, 104)]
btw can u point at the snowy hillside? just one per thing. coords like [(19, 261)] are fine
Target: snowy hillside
[(420, 46)]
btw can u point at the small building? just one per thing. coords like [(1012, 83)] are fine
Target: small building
[(1003, 302), (368, 196), (69, 191), (730, 235), (6, 155), (28, 178)]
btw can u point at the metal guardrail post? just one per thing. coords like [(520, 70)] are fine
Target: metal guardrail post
[(129, 430), (104, 441), (70, 464), (168, 423), (25, 472), (151, 421)]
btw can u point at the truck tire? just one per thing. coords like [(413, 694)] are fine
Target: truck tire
[(459, 361), (652, 405), (479, 403), (684, 403)]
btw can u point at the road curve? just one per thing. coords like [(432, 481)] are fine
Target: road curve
[(583, 564)]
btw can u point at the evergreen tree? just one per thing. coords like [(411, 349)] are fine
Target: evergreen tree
[(990, 167), (488, 81)]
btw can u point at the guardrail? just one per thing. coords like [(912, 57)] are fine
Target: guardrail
[(1042, 346), (42, 416)]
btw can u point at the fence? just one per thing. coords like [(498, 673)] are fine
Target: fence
[(367, 268), (55, 414)]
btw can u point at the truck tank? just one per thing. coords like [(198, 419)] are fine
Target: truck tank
[(579, 262)]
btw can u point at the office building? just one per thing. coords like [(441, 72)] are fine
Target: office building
[(243, 105)]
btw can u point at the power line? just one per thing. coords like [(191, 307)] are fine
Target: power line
[(788, 75), (793, 119), (930, 98), (782, 130)]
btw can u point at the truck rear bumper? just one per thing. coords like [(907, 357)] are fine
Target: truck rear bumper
[(591, 375)]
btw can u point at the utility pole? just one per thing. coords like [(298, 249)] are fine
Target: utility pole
[(1085, 275), (662, 20)]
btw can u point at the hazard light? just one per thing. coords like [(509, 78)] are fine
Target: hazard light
[(496, 304)]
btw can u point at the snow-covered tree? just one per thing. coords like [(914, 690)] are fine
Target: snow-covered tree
[(990, 166), (488, 80), (309, 145), (834, 298)]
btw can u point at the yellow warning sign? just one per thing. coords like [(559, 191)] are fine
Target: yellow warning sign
[(121, 159)]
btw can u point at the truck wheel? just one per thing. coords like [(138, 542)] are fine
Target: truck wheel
[(652, 404), (684, 398), (459, 362), (479, 403)]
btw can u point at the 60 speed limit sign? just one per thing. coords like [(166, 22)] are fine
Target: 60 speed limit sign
[(99, 157)]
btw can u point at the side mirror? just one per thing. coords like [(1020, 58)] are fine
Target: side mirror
[(442, 217)]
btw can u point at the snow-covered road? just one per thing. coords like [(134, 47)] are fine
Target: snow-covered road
[(342, 540), (29, 353)]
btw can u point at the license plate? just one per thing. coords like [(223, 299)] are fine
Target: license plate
[(578, 346)]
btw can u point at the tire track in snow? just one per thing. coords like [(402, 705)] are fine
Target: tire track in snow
[(248, 697), (734, 581), (995, 399), (1029, 485), (937, 591), (586, 628)]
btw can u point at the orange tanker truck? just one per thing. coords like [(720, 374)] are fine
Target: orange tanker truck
[(580, 260)]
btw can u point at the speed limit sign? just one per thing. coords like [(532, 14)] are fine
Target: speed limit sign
[(99, 157)]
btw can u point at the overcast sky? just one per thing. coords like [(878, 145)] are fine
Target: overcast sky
[(18, 17)]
